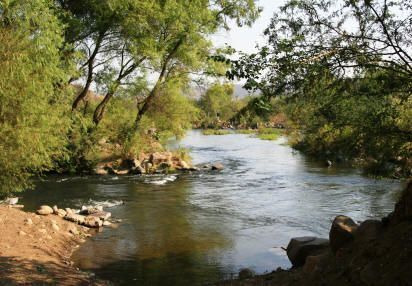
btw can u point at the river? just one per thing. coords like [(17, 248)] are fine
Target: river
[(194, 229)]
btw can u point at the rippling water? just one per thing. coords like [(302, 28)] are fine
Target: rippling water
[(194, 229)]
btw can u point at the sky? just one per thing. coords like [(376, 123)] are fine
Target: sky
[(245, 38)]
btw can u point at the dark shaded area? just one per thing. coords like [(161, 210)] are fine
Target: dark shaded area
[(15, 271)]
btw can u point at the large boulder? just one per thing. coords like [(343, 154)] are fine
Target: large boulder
[(368, 230), (403, 208), (299, 248), (45, 210), (342, 232)]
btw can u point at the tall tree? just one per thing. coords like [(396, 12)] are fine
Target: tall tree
[(32, 128)]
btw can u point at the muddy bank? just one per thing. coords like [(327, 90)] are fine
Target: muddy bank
[(36, 250), (374, 252)]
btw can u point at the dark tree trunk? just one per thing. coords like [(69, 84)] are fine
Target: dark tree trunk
[(90, 67)]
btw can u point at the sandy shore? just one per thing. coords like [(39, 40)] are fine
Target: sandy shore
[(36, 250)]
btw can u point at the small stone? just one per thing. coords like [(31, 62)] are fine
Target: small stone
[(102, 215), (28, 221), (42, 230), (73, 230), (55, 227), (22, 233), (92, 221), (61, 213), (217, 167), (45, 210)]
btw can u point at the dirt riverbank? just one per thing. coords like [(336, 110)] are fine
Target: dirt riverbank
[(36, 250)]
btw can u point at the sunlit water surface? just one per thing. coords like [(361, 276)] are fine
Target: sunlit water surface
[(194, 229)]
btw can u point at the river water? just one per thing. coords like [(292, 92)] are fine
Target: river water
[(194, 229)]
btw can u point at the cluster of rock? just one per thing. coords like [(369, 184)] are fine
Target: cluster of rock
[(309, 251), (158, 162), (89, 216)]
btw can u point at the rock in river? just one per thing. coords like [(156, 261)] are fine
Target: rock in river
[(92, 221), (341, 232), (299, 248)]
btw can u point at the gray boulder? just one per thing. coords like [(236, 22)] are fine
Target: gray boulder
[(299, 248)]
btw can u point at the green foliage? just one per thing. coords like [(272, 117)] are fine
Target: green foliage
[(218, 105), (32, 128), (356, 119)]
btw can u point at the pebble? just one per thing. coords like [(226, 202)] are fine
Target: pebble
[(55, 227), (73, 230), (28, 221), (22, 233)]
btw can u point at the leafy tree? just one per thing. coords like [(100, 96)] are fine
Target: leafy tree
[(32, 127), (217, 103), (344, 70)]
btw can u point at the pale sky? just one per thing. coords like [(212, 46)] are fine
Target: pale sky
[(245, 38)]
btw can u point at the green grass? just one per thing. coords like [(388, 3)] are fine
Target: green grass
[(268, 136), (246, 131), (215, 132), (268, 133)]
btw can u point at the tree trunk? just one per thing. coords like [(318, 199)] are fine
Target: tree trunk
[(90, 67), (100, 109), (155, 89)]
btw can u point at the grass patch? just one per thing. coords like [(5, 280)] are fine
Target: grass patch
[(268, 136), (246, 131), (268, 133), (215, 132)]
